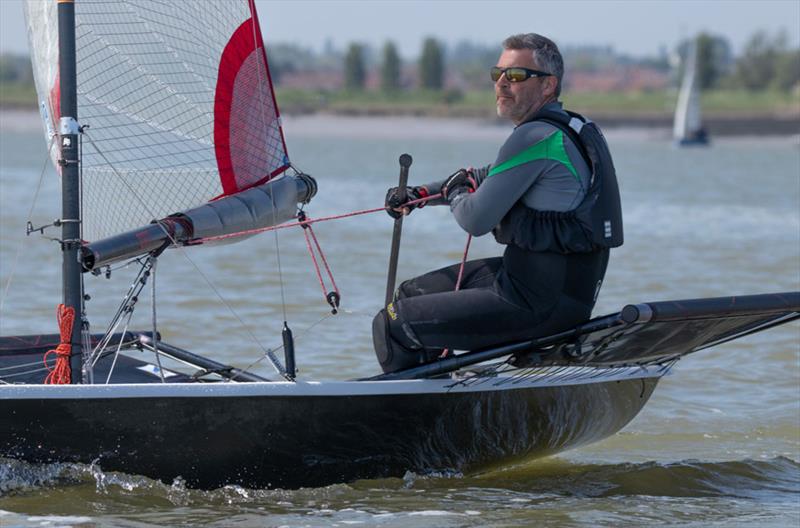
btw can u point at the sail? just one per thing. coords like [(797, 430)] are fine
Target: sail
[(688, 121), (43, 37), (177, 99)]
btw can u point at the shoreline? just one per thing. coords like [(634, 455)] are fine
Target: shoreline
[(369, 124)]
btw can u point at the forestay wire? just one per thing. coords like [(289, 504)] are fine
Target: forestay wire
[(21, 243), (262, 73)]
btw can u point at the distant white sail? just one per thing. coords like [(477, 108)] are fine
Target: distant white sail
[(688, 126), (178, 101)]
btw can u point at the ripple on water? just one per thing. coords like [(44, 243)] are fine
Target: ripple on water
[(532, 487)]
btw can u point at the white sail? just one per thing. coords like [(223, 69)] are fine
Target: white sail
[(177, 99), (688, 120), (42, 22)]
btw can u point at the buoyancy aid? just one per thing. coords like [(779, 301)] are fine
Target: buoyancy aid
[(597, 221)]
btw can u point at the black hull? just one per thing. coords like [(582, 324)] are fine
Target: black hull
[(281, 434), (311, 440)]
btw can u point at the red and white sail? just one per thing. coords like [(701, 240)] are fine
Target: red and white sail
[(178, 101)]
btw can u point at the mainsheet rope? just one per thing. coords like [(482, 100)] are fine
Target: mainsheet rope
[(306, 222), (333, 297), (446, 352)]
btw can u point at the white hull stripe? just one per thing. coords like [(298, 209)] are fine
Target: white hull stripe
[(566, 376)]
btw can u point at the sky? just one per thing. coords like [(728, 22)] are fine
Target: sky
[(637, 28)]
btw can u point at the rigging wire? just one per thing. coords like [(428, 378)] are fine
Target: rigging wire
[(301, 335), (21, 243), (268, 352), (125, 309), (262, 76), (128, 318), (154, 260), (87, 372)]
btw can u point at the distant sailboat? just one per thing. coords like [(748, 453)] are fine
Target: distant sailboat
[(688, 126)]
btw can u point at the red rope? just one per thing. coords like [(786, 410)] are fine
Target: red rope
[(446, 352), (334, 296), (324, 260), (314, 260), (60, 372), (305, 222), (463, 263)]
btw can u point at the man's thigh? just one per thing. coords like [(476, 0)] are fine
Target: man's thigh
[(463, 320), (480, 273)]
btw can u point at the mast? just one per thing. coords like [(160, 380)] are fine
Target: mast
[(70, 184)]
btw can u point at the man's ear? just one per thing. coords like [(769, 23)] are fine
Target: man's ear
[(550, 86)]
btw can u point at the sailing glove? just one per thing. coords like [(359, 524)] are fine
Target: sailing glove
[(393, 201), (457, 183)]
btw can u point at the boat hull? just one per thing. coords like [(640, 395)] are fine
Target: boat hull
[(281, 439)]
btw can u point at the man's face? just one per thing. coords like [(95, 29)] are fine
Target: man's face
[(516, 101)]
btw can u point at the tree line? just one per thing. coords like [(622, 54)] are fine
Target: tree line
[(766, 62), (431, 67)]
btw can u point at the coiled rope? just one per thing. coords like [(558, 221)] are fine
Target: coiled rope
[(60, 372)]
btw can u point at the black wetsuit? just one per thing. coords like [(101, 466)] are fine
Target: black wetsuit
[(523, 294)]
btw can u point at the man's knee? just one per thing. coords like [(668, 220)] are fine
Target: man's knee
[(394, 351), (407, 288)]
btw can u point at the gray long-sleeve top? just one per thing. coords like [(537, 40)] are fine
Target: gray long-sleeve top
[(537, 164)]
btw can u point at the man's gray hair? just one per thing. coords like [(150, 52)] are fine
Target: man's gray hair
[(545, 53)]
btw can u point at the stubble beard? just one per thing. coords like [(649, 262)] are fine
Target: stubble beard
[(507, 111), (522, 108), (514, 112)]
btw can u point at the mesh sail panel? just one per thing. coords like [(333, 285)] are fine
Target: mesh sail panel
[(179, 105), (243, 143)]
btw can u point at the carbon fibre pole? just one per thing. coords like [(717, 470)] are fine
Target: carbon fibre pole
[(405, 163), (453, 363), (70, 184)]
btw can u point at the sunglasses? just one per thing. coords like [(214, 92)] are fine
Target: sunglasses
[(516, 74)]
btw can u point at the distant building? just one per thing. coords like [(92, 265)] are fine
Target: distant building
[(617, 79), (326, 81), (614, 78)]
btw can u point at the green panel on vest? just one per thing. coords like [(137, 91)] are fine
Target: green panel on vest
[(550, 148)]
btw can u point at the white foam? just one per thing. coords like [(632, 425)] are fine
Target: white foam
[(431, 513), (60, 519)]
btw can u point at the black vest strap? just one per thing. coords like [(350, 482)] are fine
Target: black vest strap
[(559, 121)]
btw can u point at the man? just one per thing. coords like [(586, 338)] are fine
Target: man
[(550, 197)]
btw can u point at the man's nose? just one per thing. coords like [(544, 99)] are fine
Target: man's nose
[(502, 81)]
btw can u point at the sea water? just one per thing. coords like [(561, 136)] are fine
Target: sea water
[(718, 443)]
